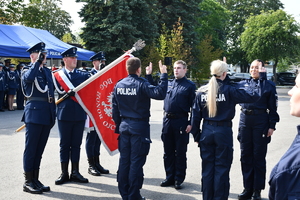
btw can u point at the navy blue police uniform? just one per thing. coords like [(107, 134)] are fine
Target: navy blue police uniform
[(12, 81), (177, 105), (131, 112), (7, 64), (6, 69), (3, 86), (285, 176), (255, 121), (71, 120), (39, 117), (215, 140), (93, 142), (19, 95)]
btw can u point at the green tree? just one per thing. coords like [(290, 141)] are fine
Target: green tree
[(47, 15), (169, 44), (178, 49), (271, 35), (188, 11), (241, 10), (208, 53), (10, 11), (214, 20), (68, 38), (283, 65), (114, 26)]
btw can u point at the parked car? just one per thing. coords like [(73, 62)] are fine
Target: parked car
[(286, 78), (270, 76), (239, 76)]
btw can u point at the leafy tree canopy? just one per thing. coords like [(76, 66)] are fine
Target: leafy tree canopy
[(241, 10), (170, 10), (272, 35), (213, 21), (47, 15), (10, 11), (114, 26)]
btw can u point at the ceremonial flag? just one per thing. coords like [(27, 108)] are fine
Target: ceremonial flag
[(96, 99)]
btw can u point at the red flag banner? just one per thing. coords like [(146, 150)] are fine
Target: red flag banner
[(96, 99)]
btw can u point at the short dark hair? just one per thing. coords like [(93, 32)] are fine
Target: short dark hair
[(262, 62), (132, 65)]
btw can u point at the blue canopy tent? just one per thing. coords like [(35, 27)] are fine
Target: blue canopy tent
[(16, 39)]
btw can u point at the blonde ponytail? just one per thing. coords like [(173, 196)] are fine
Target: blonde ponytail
[(217, 68)]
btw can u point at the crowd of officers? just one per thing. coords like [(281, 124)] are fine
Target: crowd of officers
[(213, 105), (10, 86)]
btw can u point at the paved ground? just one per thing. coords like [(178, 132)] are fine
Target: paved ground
[(105, 187)]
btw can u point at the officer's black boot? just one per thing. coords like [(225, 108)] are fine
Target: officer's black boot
[(92, 167), (64, 177), (38, 183), (76, 176), (246, 194), (256, 195), (29, 185), (99, 167)]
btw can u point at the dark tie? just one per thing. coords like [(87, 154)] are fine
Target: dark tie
[(71, 75)]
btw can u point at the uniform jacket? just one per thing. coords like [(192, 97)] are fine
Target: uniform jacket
[(18, 72), (3, 81), (93, 71), (39, 112), (131, 97), (68, 109), (268, 100), (180, 96), (227, 98), (12, 79), (285, 176)]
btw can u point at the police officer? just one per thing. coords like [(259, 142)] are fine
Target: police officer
[(215, 103), (71, 119), (3, 86), (6, 68), (7, 63), (12, 83), (285, 176), (131, 112), (19, 95), (92, 144), (39, 115), (257, 124), (176, 126), (83, 67)]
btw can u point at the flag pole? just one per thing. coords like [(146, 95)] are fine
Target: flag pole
[(136, 47)]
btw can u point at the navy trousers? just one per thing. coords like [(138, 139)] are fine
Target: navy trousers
[(134, 146), (175, 141), (70, 133), (253, 143), (216, 150), (20, 99), (1, 99), (92, 144), (36, 137)]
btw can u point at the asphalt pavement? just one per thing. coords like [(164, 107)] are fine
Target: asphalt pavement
[(105, 186)]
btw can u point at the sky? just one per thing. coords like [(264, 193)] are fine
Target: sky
[(290, 6), (73, 8)]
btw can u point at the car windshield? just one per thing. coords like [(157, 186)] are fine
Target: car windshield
[(288, 75)]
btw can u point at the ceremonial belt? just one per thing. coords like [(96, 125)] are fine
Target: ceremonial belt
[(175, 115), (253, 112), (218, 123), (50, 99), (136, 119)]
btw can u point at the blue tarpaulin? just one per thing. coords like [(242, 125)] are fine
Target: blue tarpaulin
[(16, 39)]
